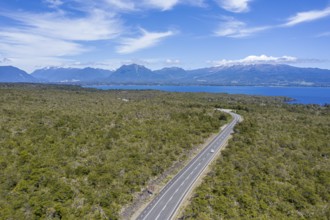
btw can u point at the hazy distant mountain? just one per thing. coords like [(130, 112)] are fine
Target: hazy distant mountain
[(13, 74), (88, 74), (256, 74), (134, 74), (172, 73), (260, 74)]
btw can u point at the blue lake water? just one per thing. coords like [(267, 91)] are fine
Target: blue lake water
[(302, 95)]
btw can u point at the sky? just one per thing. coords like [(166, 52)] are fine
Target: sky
[(163, 33)]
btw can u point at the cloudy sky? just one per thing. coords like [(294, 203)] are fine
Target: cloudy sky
[(159, 33)]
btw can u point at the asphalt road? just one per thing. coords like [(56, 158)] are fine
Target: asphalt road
[(167, 202)]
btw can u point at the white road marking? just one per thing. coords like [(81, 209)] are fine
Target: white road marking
[(202, 156), (157, 216)]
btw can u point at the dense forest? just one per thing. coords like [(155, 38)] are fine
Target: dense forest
[(72, 153), (277, 166)]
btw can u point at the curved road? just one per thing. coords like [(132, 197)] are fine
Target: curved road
[(167, 202)]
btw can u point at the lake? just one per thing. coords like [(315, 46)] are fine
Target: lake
[(302, 95)]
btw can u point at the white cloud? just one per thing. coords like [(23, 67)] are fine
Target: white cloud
[(151, 63), (262, 59), (172, 62), (122, 4), (49, 37), (236, 6), (307, 16), (169, 4), (131, 5), (29, 64), (68, 27), (162, 4), (27, 51), (53, 3), (237, 29), (230, 27), (325, 34), (20, 44), (112, 64), (148, 39), (98, 25)]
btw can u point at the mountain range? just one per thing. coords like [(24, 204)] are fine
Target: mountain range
[(64, 75), (13, 74), (254, 74)]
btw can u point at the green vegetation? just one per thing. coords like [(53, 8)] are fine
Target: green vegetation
[(277, 166), (73, 153)]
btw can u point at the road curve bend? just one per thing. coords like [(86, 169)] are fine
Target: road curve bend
[(167, 202)]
